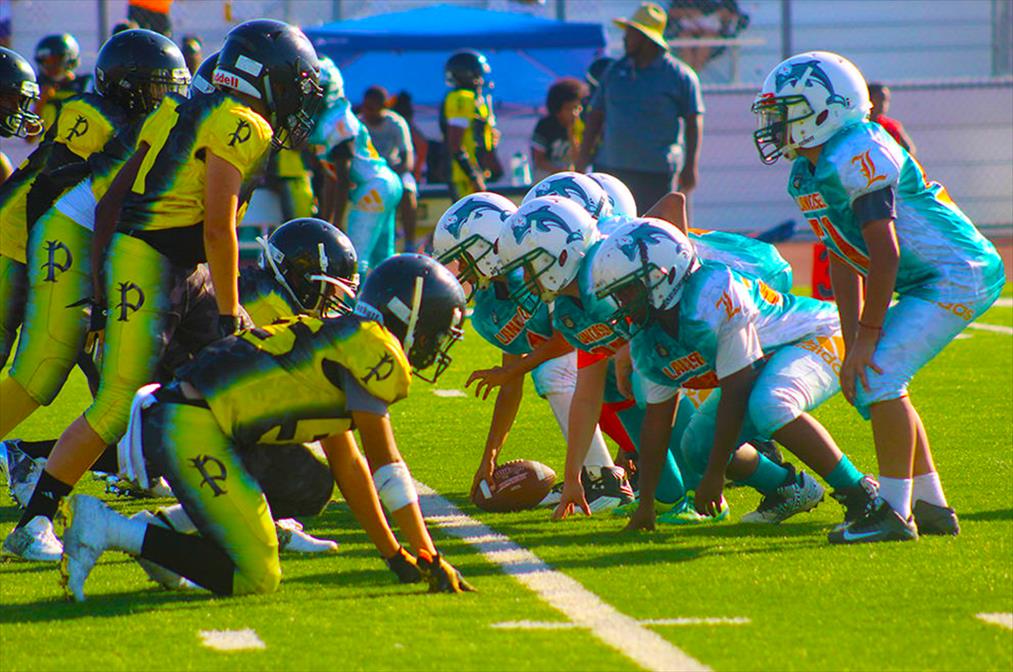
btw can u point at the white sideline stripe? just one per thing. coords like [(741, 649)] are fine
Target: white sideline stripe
[(231, 640), (585, 609), (997, 328), (449, 393), (1004, 302), (557, 625), (1001, 619)]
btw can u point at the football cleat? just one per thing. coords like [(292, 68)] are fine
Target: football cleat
[(20, 471), (935, 519), (856, 500), (626, 510), (684, 512), (879, 523), (610, 489), (442, 576), (404, 566), (554, 496), (801, 493), (291, 537), (166, 578), (35, 541), (87, 527)]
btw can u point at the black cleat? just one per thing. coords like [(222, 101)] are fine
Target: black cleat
[(935, 519), (879, 523), (609, 490), (856, 500)]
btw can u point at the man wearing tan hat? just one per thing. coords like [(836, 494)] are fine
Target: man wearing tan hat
[(648, 113)]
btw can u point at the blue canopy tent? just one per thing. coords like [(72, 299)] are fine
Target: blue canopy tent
[(407, 50)]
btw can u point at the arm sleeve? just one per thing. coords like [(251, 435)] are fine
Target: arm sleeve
[(240, 138), (692, 95), (357, 399), (868, 167), (405, 141), (539, 138), (738, 342), (879, 204)]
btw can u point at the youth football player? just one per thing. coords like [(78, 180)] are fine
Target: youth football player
[(468, 123), (888, 229)]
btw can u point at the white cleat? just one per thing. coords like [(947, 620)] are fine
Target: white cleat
[(803, 493), (20, 471), (166, 578), (35, 541), (87, 532), (291, 537)]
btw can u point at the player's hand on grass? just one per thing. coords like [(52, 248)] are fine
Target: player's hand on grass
[(642, 518), (442, 576), (487, 379), (405, 566), (857, 361), (709, 497), (484, 473), (571, 500)]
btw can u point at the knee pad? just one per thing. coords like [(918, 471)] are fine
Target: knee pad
[(394, 485)]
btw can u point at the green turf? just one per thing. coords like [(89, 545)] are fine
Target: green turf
[(901, 606)]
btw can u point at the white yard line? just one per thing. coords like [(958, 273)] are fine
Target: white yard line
[(997, 328), (1004, 302), (1000, 619), (582, 607), (231, 640), (564, 625)]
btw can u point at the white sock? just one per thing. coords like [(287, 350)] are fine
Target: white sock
[(127, 534), (929, 488), (598, 454), (178, 519), (897, 493)]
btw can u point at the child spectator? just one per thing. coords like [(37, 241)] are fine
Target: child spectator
[(556, 139)]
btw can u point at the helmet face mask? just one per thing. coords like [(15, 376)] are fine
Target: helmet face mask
[(468, 69), (467, 233), (18, 91), (774, 117), (628, 298)]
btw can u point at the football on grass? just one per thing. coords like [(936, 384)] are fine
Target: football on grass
[(520, 484)]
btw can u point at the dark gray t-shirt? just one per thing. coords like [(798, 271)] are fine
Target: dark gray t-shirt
[(644, 111)]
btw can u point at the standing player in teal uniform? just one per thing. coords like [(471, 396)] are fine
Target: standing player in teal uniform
[(360, 176), (704, 326), (313, 378), (888, 229), (464, 239)]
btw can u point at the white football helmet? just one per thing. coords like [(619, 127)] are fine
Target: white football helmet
[(624, 206), (644, 264), (805, 100), (467, 233), (548, 237), (575, 187)]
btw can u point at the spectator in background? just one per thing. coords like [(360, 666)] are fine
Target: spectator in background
[(56, 57), (704, 19), (556, 139), (5, 23), (124, 25), (392, 139), (193, 52), (879, 95), (648, 111), (403, 106), (151, 14)]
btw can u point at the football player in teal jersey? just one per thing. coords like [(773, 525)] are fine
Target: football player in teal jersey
[(701, 325), (314, 378), (888, 229), (464, 239)]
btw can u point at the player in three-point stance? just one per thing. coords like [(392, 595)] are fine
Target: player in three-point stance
[(888, 229)]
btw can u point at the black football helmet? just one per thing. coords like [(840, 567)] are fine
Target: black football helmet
[(315, 263), (276, 64), (419, 301), (201, 84), (596, 70), (467, 69), (136, 68), (18, 90), (61, 45)]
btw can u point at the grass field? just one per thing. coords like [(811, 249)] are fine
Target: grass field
[(801, 604)]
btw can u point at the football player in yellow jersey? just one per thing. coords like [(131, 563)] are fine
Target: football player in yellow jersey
[(135, 70), (468, 124), (314, 378), (18, 90), (173, 205), (56, 56)]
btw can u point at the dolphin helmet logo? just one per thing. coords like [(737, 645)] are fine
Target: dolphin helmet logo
[(473, 208), (543, 219), (638, 239), (806, 73), (568, 188)]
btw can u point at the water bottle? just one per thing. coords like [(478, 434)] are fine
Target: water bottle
[(520, 170)]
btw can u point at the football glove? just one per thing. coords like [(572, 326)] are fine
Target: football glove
[(228, 325), (442, 576), (404, 566)]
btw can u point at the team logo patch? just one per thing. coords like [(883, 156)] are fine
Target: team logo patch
[(568, 188), (867, 168), (543, 219), (241, 134), (59, 259), (79, 128), (213, 473), (381, 371), (569, 323), (128, 291), (661, 350), (638, 239), (807, 74), (466, 212)]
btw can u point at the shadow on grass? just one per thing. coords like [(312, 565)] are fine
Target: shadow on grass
[(106, 605), (988, 516)]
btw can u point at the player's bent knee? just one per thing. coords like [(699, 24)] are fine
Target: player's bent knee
[(771, 411), (395, 487), (262, 579)]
